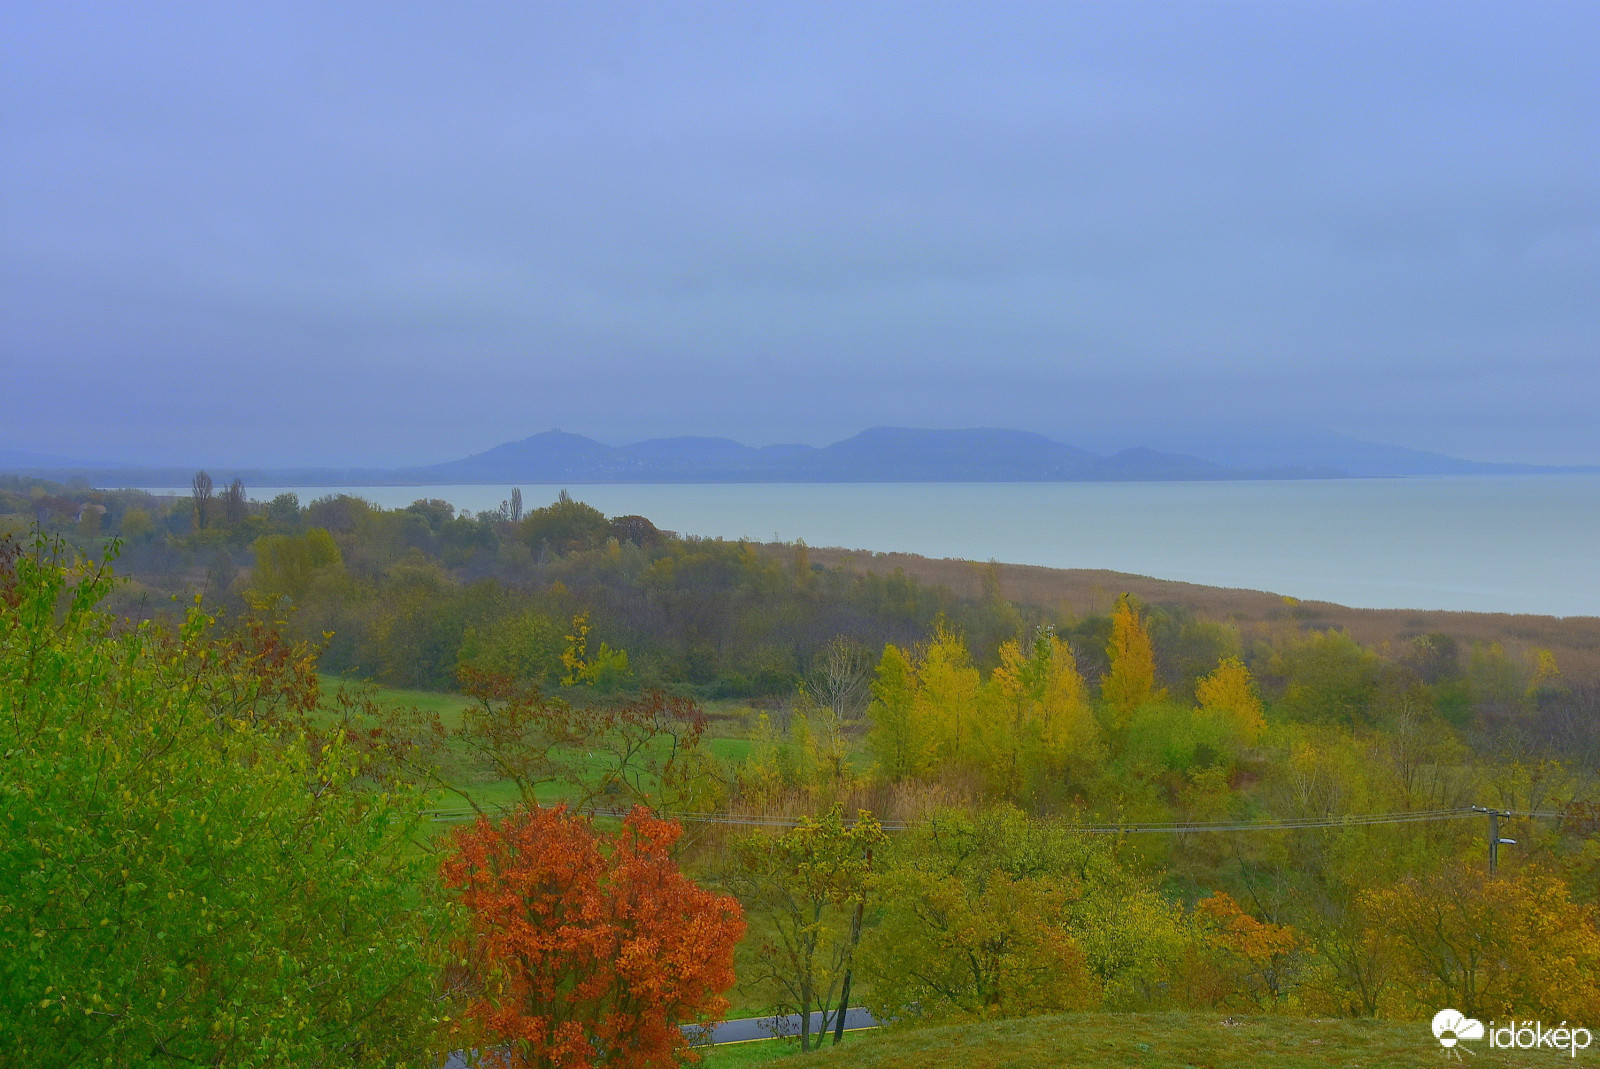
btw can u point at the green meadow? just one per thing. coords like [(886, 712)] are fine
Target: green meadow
[(1142, 1041)]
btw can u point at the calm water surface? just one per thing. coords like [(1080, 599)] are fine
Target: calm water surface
[(1487, 544)]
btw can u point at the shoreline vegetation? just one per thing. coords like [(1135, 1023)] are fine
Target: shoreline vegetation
[(857, 779), (1087, 590), (165, 550), (1496, 544)]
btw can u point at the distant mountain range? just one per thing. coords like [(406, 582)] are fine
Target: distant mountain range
[(882, 454)]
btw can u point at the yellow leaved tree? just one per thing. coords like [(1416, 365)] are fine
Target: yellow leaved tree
[(1228, 695), (1042, 711), (1491, 946), (947, 700), (1131, 680), (899, 743)]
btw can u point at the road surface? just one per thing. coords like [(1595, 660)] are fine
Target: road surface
[(768, 1027), (740, 1031)]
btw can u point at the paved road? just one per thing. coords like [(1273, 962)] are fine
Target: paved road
[(741, 1030), (768, 1027)]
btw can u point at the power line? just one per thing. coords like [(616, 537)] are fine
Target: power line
[(1284, 824), (1137, 828)]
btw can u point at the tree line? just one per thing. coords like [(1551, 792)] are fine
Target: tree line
[(983, 733)]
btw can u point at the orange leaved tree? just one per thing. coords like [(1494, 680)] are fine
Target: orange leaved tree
[(592, 950), (1246, 962)]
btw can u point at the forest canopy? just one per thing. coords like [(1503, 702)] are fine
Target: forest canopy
[(909, 789)]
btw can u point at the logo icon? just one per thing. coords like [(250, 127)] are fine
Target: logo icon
[(1452, 1026)]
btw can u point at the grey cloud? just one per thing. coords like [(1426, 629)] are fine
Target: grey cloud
[(791, 221)]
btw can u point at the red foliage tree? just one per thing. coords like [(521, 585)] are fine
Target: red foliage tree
[(594, 950)]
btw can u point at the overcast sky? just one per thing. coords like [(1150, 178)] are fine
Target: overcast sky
[(345, 233)]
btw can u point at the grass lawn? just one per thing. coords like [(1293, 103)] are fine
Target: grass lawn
[(1149, 1041), (757, 1052), (436, 700), (725, 740)]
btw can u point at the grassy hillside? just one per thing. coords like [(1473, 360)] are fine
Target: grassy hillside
[(1146, 1041)]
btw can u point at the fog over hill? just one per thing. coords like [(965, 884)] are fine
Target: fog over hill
[(248, 239), (880, 454)]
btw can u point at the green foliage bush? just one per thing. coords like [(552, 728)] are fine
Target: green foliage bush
[(1328, 679), (188, 873), (996, 914), (1176, 738), (565, 525)]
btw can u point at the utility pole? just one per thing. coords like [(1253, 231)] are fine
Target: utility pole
[(1495, 841)]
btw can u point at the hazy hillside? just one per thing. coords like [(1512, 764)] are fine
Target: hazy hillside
[(880, 454)]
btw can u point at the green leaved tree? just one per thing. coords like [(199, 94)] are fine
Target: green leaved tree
[(190, 874), (806, 890)]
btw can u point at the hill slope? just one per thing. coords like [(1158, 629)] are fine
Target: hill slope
[(1159, 1041), (881, 454)]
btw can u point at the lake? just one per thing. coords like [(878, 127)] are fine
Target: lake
[(1477, 543)]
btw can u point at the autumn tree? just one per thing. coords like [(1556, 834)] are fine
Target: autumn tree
[(1351, 973), (1546, 682), (511, 728), (946, 949), (899, 742), (933, 717), (593, 950), (526, 644), (136, 526), (1045, 718), (809, 887), (290, 566), (638, 530), (997, 914), (1513, 944), (603, 668), (947, 699), (760, 778), (1228, 695), (1328, 678), (1131, 678), (1027, 725), (1250, 963), (1495, 680)]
